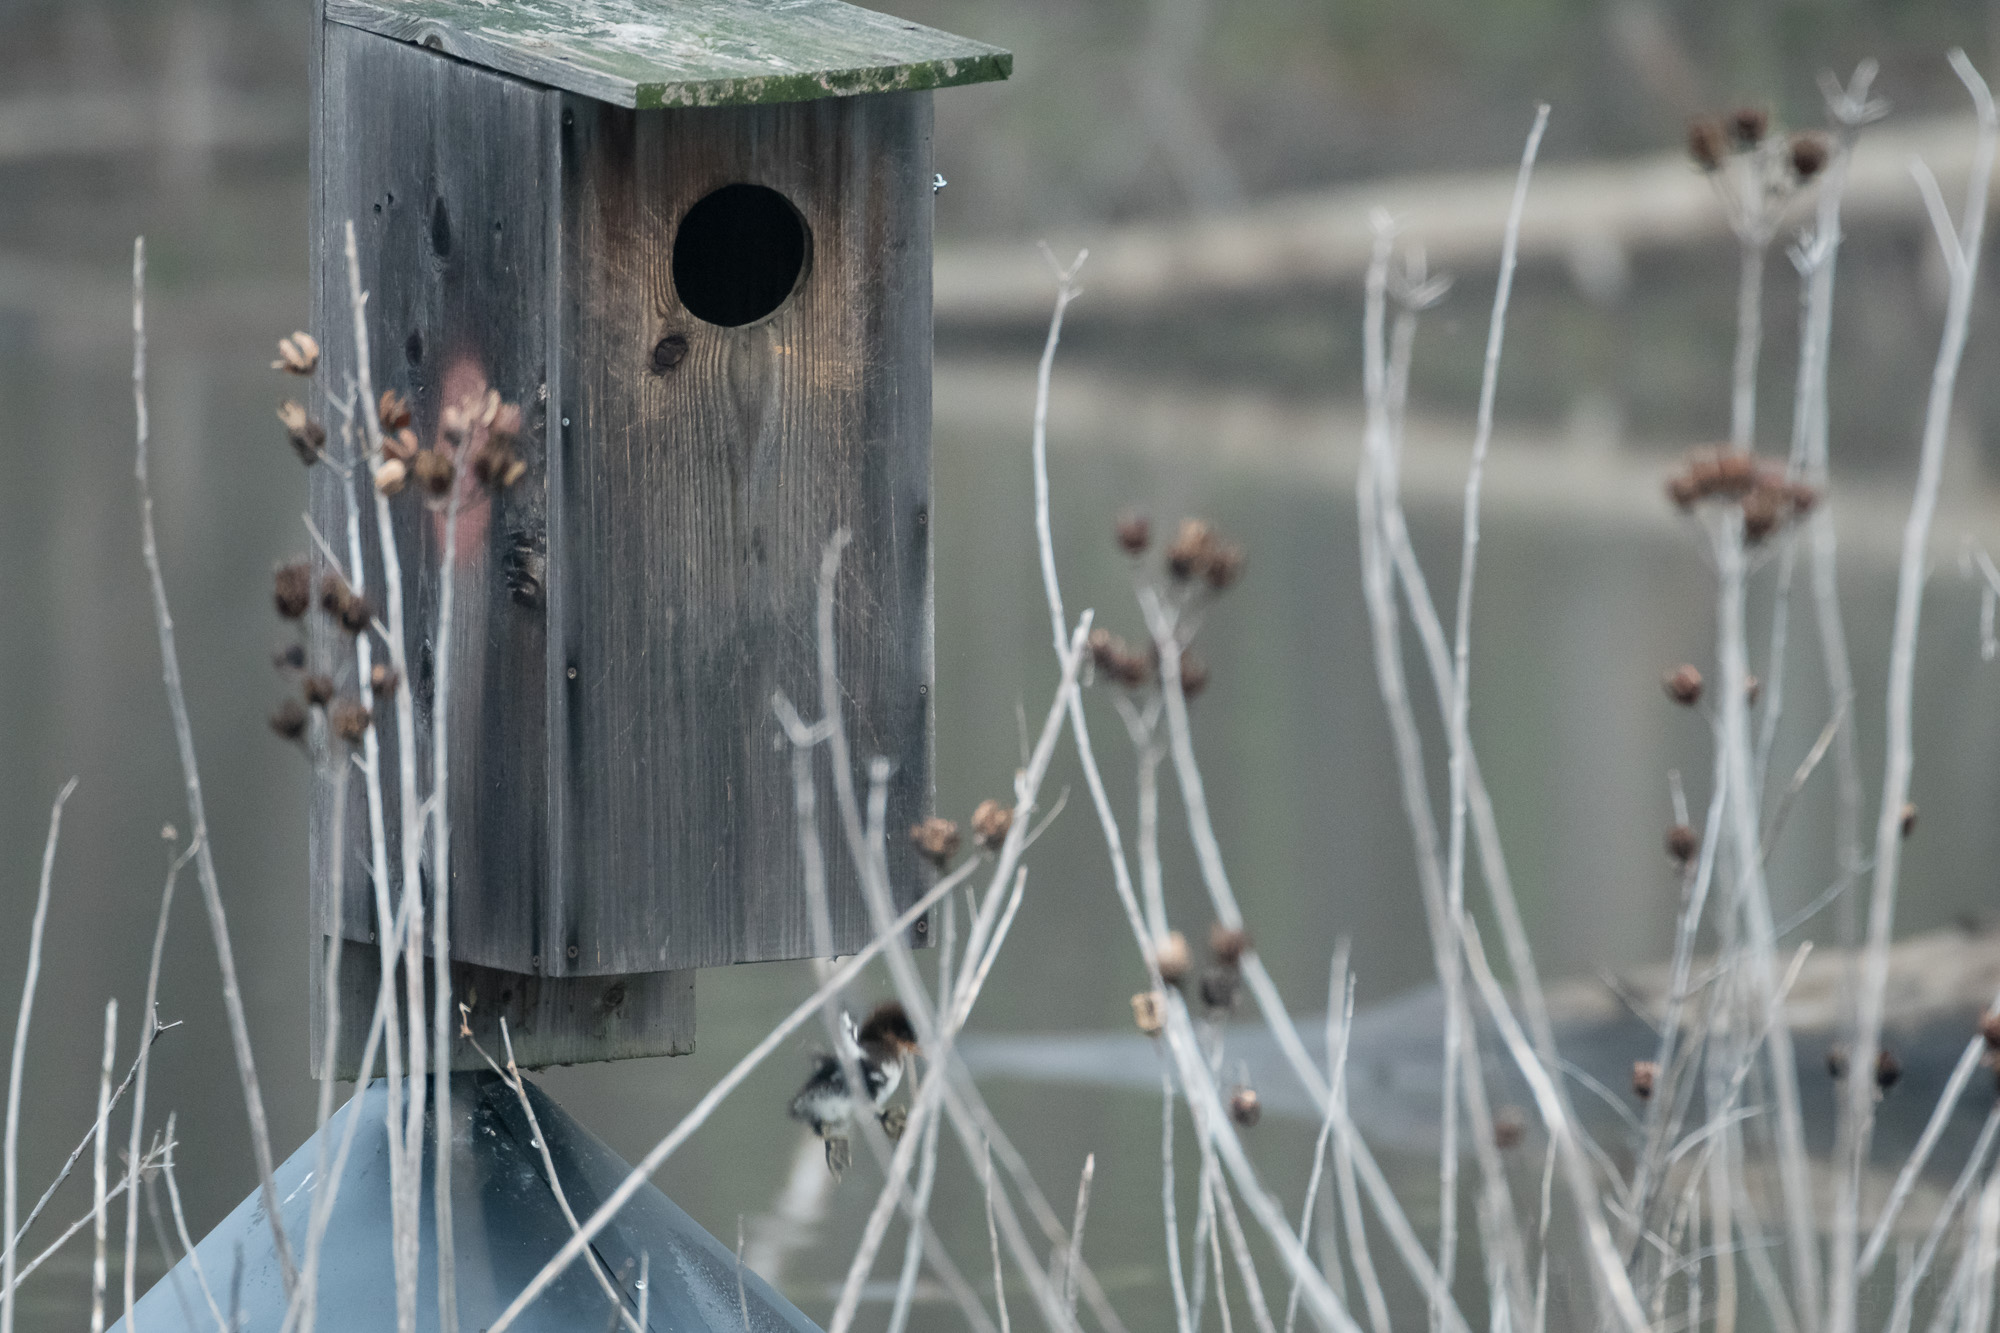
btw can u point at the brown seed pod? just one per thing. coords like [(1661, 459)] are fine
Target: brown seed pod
[(433, 471), (317, 690), (1116, 661), (1748, 125), (350, 720), (1763, 512), (1135, 532), (1707, 143), (1244, 1107), (1836, 1062), (1808, 154), (291, 589), (1683, 685), (1735, 472), (1509, 1126), (401, 446), (1888, 1069), (1645, 1073), (1989, 1028), (1804, 498), (1225, 565), (1682, 843), (307, 437), (334, 594), (937, 839), (1753, 690), (393, 411), (1219, 986), (1149, 1012), (298, 354), (289, 721), (1228, 944), (991, 822), (1173, 957), (497, 465), (382, 680), (291, 657), (389, 477), (356, 614), (1683, 490), (1194, 675), (1909, 818), (1188, 554)]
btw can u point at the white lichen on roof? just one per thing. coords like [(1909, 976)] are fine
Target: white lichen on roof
[(666, 53)]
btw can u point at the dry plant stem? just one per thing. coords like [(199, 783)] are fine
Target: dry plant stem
[(1742, 816), (406, 1190), (839, 977), (1352, 1222), (99, 1164), (1461, 702), (1176, 1277), (1066, 291), (218, 920), (1752, 241), (139, 1093), (1969, 1062), (8, 1277), (181, 1230), (1336, 1071), (69, 1233), (441, 1029), (1962, 251), (1615, 1295), (1074, 1260), (140, 1069), (1239, 1249), (913, 1242), (1908, 1280), (993, 1242)]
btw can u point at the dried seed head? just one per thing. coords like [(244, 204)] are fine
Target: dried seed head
[(318, 690), (506, 422), (1173, 957), (1683, 490), (1989, 1028), (1888, 1069), (344, 604), (1753, 690), (1149, 1011), (1219, 986), (1748, 125), (291, 589), (1683, 685), (1135, 532), (456, 419), (1909, 818), (937, 839), (1735, 472), (350, 720), (1808, 153), (1645, 1073), (433, 471), (402, 446), (393, 411), (1509, 1125), (289, 721), (291, 657), (1682, 844), (389, 477), (1225, 564), (298, 354), (1707, 143), (1804, 497), (1116, 661), (496, 464), (1194, 675), (333, 593), (1228, 944), (382, 680), (1244, 1107), (991, 822), (1763, 511), (1188, 554), (1836, 1062), (307, 437)]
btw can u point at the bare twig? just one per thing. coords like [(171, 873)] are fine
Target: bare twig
[(140, 1067), (99, 1164)]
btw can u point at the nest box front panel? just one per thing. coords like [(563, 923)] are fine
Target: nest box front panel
[(744, 370)]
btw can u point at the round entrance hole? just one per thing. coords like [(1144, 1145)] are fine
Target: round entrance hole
[(738, 254)]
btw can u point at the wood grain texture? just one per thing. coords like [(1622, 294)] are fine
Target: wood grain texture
[(552, 1020), (689, 508), (684, 53)]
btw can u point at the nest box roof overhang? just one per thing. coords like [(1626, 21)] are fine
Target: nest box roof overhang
[(681, 53)]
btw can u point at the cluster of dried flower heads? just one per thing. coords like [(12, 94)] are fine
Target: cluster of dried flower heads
[(938, 838), (1767, 494), (347, 717), (1198, 562), (1218, 986), (1713, 140)]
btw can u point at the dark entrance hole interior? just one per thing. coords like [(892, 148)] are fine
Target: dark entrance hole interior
[(738, 254)]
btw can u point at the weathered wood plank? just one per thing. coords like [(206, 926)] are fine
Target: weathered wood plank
[(552, 1020), (685, 53), (689, 505)]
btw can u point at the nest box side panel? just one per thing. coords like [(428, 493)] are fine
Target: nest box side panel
[(445, 171), (702, 467)]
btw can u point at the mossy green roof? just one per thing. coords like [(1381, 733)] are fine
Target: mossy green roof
[(672, 53)]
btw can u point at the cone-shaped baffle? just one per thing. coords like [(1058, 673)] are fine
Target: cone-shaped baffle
[(506, 1224)]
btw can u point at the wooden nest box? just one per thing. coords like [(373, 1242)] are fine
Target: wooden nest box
[(692, 240)]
